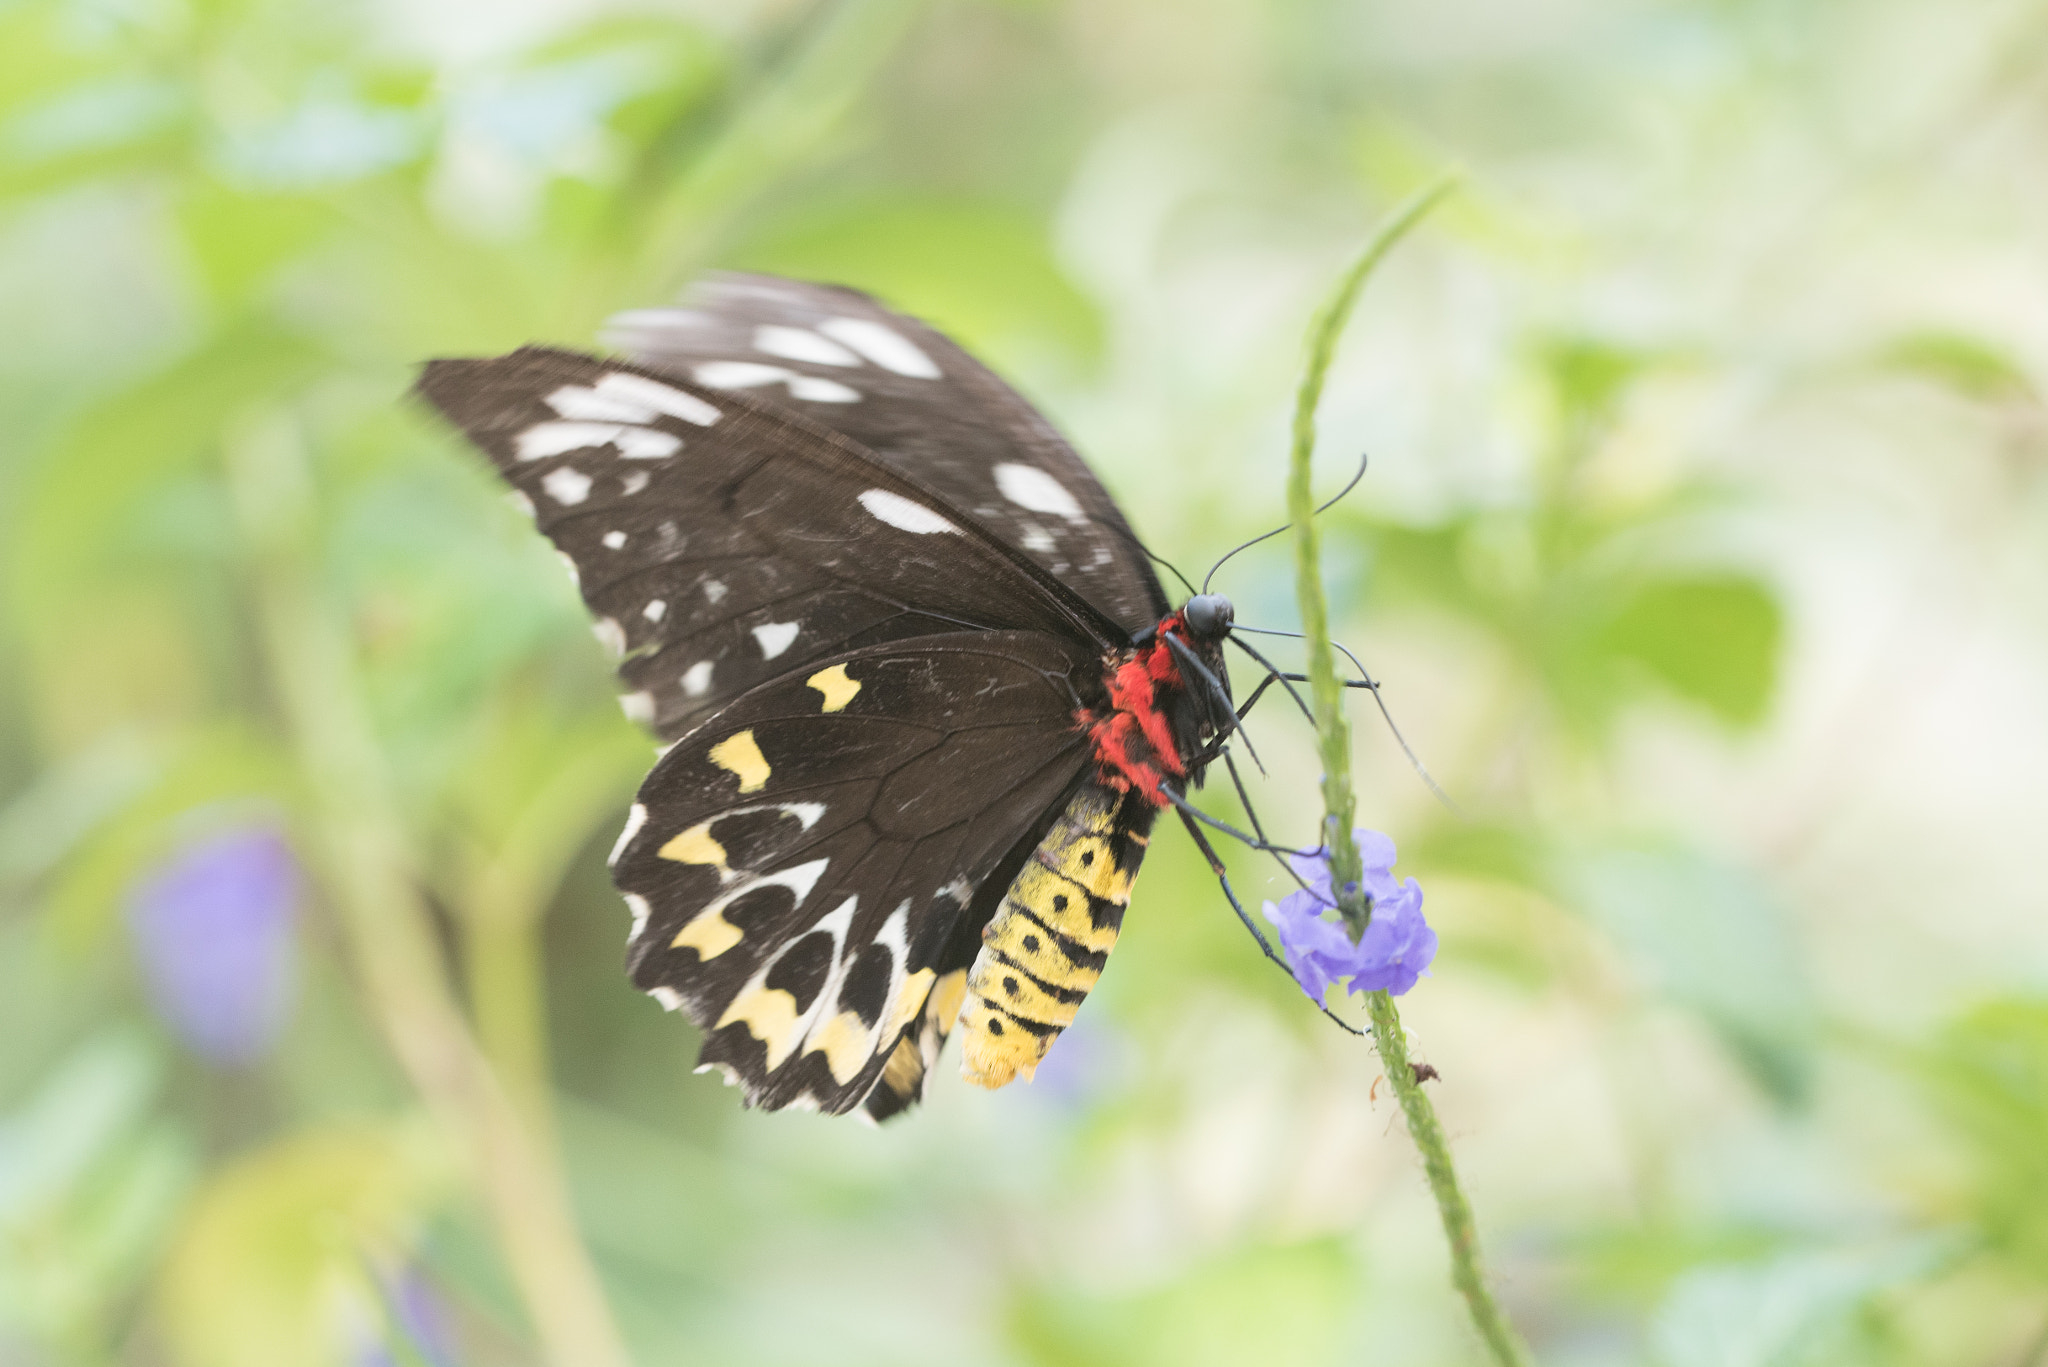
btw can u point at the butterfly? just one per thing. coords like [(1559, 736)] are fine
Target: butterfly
[(920, 695)]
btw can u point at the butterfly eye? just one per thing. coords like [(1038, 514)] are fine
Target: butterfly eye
[(1208, 614)]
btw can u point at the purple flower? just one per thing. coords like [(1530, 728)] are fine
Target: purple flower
[(415, 1318), (1396, 948), (213, 932)]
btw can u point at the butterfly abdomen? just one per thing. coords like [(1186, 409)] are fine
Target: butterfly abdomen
[(1046, 944)]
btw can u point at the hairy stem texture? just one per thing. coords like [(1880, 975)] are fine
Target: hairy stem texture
[(1333, 732)]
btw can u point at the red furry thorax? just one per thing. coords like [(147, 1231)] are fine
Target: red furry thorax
[(1134, 743)]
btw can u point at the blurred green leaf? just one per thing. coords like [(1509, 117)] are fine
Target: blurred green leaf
[(1799, 1310), (68, 802), (91, 1098), (1987, 1074), (1273, 1304), (1587, 377), (79, 513), (1513, 854), (1636, 1263), (237, 240), (1712, 641), (1971, 366), (215, 767), (274, 1264), (1707, 935), (88, 1188)]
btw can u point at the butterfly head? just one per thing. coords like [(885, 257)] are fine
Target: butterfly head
[(1208, 616)]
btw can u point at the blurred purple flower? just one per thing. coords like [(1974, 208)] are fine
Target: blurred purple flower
[(1396, 948), (213, 931), (417, 1318)]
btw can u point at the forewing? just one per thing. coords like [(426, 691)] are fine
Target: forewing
[(803, 869), (720, 543), (918, 402)]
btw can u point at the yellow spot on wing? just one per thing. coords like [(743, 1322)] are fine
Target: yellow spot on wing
[(909, 1001), (739, 755), (770, 1017), (946, 997), (837, 688), (846, 1042), (695, 846), (905, 1067), (710, 935)]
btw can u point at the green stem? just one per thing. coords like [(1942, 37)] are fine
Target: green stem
[(359, 849), (501, 900), (1467, 1270), (1334, 743), (1326, 693)]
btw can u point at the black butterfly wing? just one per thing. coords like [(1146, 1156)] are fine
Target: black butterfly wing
[(921, 404), (804, 868), (721, 543)]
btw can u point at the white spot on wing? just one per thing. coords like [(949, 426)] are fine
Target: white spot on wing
[(805, 812), (567, 486), (714, 589), (614, 540), (655, 610), (697, 679), (740, 374), (637, 904), (555, 438), (750, 374), (1036, 538), (835, 923), (635, 819), (672, 1000), (888, 349), (645, 443), (608, 630), (904, 515), (574, 401), (662, 398), (775, 637), (635, 482), (1029, 487), (518, 499), (801, 344), (637, 706), (817, 389)]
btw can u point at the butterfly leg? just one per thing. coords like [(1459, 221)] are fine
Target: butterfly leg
[(1189, 812), (1223, 718), (1230, 894), (1287, 681)]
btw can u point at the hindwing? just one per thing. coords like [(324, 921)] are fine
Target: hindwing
[(921, 404), (721, 542), (810, 870)]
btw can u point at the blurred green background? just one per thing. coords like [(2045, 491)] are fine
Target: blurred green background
[(1701, 557)]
